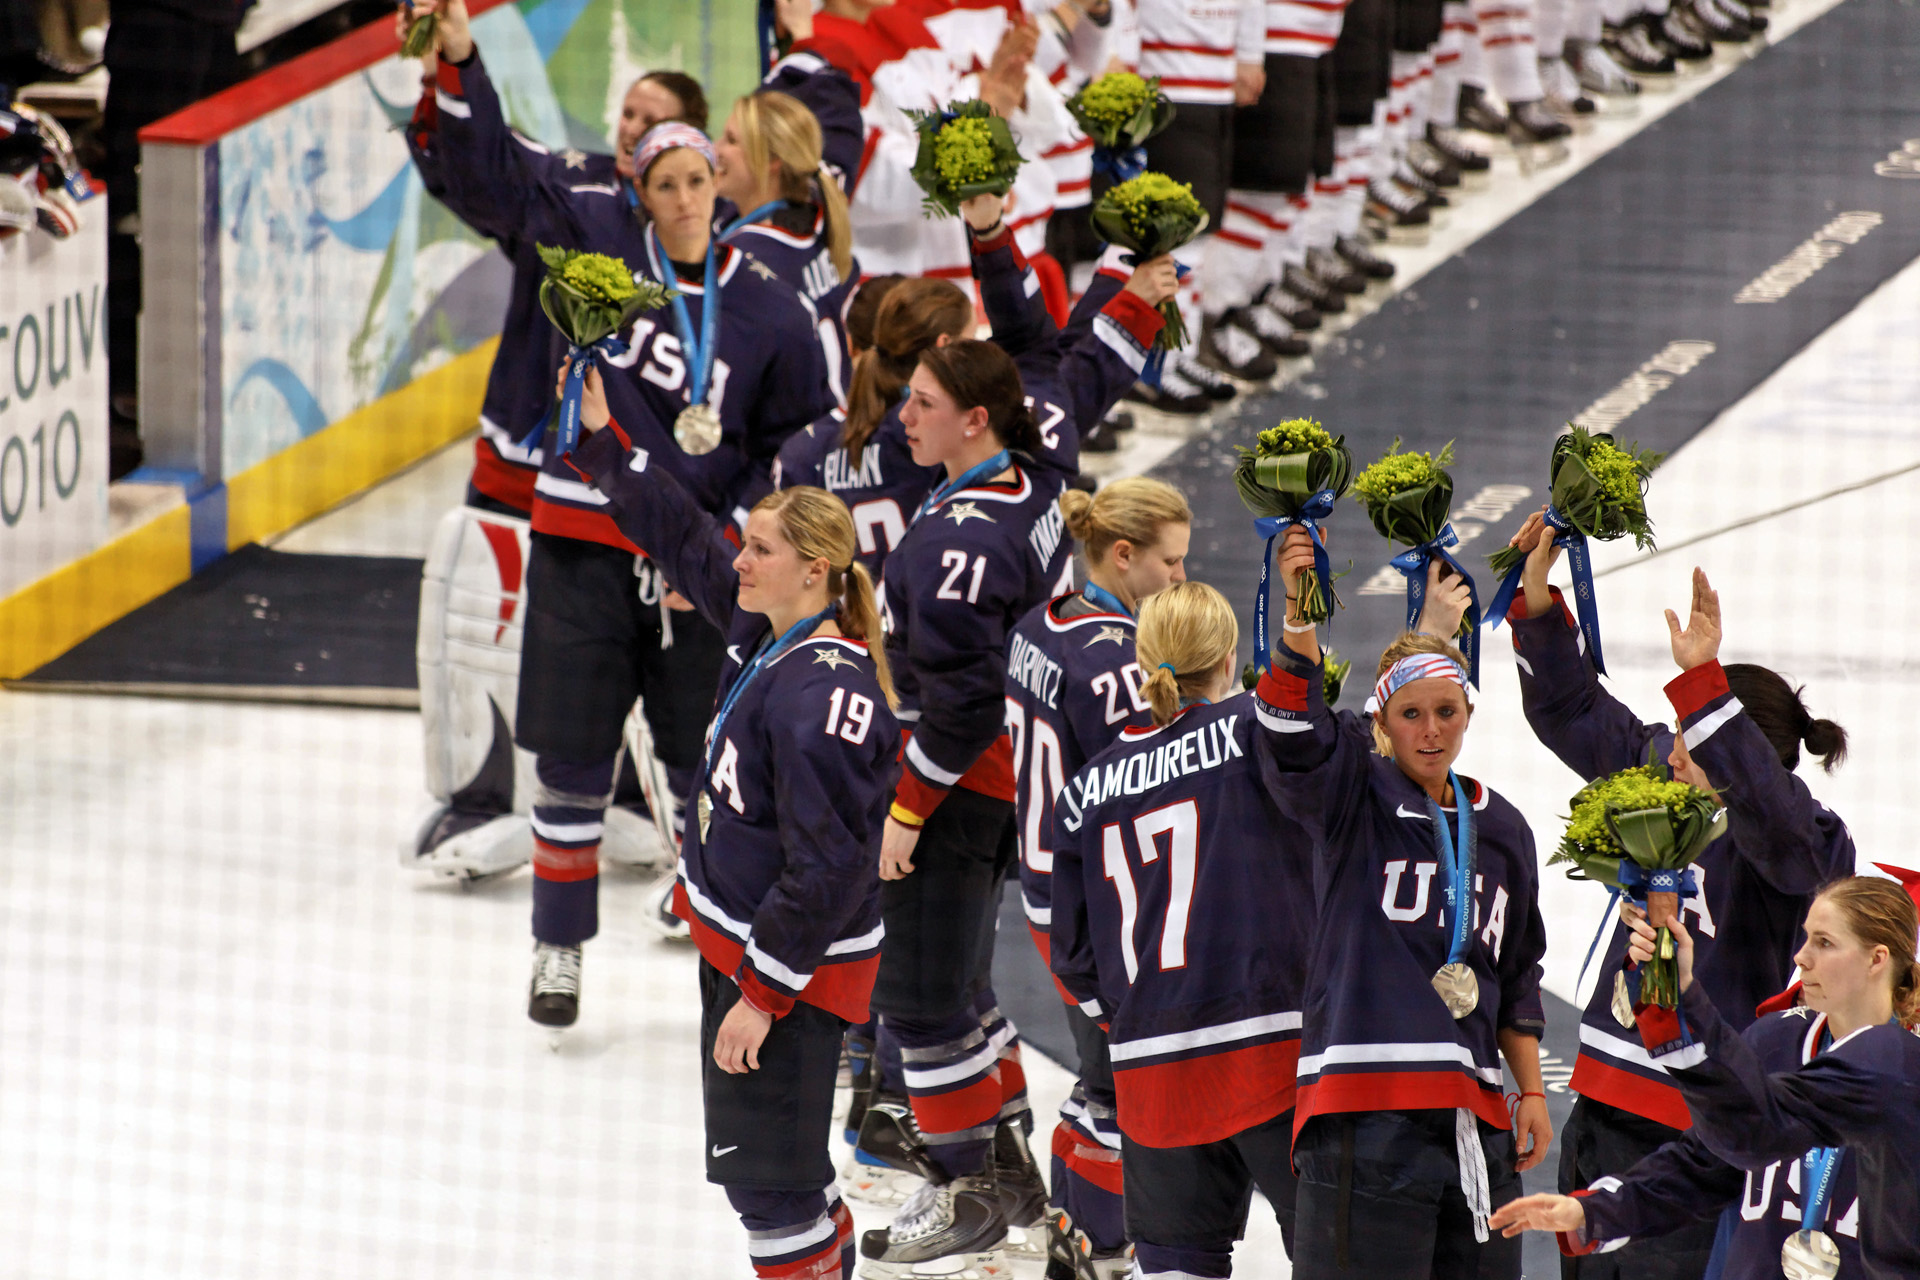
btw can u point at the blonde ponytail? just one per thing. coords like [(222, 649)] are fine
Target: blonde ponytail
[(818, 526), (777, 127), (1186, 634), (1133, 510)]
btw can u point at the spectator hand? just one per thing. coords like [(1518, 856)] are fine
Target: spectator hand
[(1249, 82), (1003, 86), (793, 19)]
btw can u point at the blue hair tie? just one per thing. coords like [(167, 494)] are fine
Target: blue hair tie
[(1168, 666)]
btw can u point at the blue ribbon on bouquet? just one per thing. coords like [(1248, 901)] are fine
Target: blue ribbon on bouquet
[(1581, 562), (1637, 882), (1119, 164), (579, 360), (1413, 563), (1315, 509)]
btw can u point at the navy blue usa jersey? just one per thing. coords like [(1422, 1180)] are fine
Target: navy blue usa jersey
[(1072, 686), (1756, 882), (1182, 917), (1377, 1036), (520, 382), (768, 377), (1862, 1092), (783, 890), (882, 489), (1684, 1181)]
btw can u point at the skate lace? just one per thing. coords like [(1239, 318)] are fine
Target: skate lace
[(1394, 197), (1195, 372), (1599, 65), (1558, 79), (1637, 43), (927, 1211), (1236, 344), (1267, 324), (1174, 383), (557, 971)]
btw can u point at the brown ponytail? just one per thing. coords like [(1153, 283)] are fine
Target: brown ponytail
[(980, 375), (817, 525), (1881, 913), (1186, 633), (913, 316), (1778, 711)]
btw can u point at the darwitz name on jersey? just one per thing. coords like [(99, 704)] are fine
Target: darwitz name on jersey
[(1207, 747), (1036, 672)]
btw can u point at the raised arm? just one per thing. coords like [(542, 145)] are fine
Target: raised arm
[(1009, 291), (655, 510), (1590, 730), (1110, 335), (1793, 841)]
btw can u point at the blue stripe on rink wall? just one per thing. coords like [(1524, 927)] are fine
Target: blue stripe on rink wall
[(1612, 282)]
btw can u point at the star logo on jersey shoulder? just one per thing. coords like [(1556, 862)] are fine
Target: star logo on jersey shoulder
[(961, 512), (834, 658), (760, 269), (1116, 634), (574, 158)]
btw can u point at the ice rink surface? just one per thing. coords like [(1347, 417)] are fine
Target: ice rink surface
[(237, 1041)]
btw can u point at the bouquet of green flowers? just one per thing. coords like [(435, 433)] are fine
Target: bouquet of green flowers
[(1293, 475), (965, 151), (589, 297), (1120, 111), (1151, 215), (419, 39), (1333, 675), (1638, 831), (1595, 490), (1408, 496)]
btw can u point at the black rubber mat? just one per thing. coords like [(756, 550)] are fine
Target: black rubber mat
[(1646, 248), (262, 624)]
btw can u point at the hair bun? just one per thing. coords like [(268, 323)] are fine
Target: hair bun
[(1826, 742)]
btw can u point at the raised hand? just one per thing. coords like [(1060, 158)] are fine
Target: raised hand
[(1536, 539), (1699, 643), (1003, 85), (1644, 938), (793, 18), (1155, 280), (1447, 599), (983, 211), (594, 413)]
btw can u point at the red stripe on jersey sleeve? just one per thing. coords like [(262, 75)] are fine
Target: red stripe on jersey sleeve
[(1244, 1087), (759, 994), (992, 773), (1569, 1246), (1604, 1082), (1693, 689), (1133, 313), (446, 78)]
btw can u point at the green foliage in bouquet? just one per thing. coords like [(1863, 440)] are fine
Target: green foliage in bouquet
[(1333, 675), (1289, 465), (1151, 215), (1407, 495), (1121, 110), (1642, 819), (1598, 488), (965, 151), (590, 295), (419, 38)]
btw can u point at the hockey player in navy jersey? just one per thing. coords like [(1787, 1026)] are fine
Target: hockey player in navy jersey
[(1072, 686), (1182, 917), (1820, 1105), (1743, 726), (481, 788), (1425, 970), (777, 871), (600, 630)]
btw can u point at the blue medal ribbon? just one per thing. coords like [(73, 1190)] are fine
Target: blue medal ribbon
[(699, 352), (1119, 164), (971, 476), (579, 360), (1817, 1168), (1312, 511), (1413, 563), (1096, 594), (1580, 560), (1458, 859), (766, 657), (748, 219)]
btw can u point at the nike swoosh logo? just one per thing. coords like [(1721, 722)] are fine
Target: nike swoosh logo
[(733, 651), (720, 1151), (1405, 812)]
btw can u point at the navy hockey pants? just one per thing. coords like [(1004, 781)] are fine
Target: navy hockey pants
[(1187, 1205)]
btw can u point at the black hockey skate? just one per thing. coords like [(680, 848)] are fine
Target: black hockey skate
[(1427, 160), (1022, 1191), (1719, 25), (1634, 50), (959, 1226), (1361, 257), (1071, 1256), (553, 997), (1676, 32), (1397, 214), (1226, 347), (1335, 271), (1309, 288), (1478, 114), (1447, 143), (1274, 333), (1214, 386), (1300, 316)]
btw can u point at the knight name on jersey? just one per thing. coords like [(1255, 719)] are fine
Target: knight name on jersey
[(1034, 671), (1208, 747), (1045, 537), (837, 471)]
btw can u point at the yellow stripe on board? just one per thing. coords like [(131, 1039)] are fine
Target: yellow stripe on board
[(47, 617), (359, 451)]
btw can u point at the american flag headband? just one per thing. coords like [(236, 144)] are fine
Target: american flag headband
[(1417, 666)]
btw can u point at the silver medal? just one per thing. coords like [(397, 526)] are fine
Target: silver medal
[(703, 806), (697, 430), (1810, 1255), (1622, 1001), (1459, 988)]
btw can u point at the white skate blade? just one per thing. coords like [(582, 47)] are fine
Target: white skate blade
[(990, 1265), (1535, 156), (490, 849), (1027, 1244), (878, 1185), (630, 841)]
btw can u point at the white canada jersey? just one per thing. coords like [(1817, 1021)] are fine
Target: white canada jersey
[(1303, 28), (1192, 45)]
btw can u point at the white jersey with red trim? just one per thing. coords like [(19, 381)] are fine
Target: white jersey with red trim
[(1192, 45), (1303, 28)]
